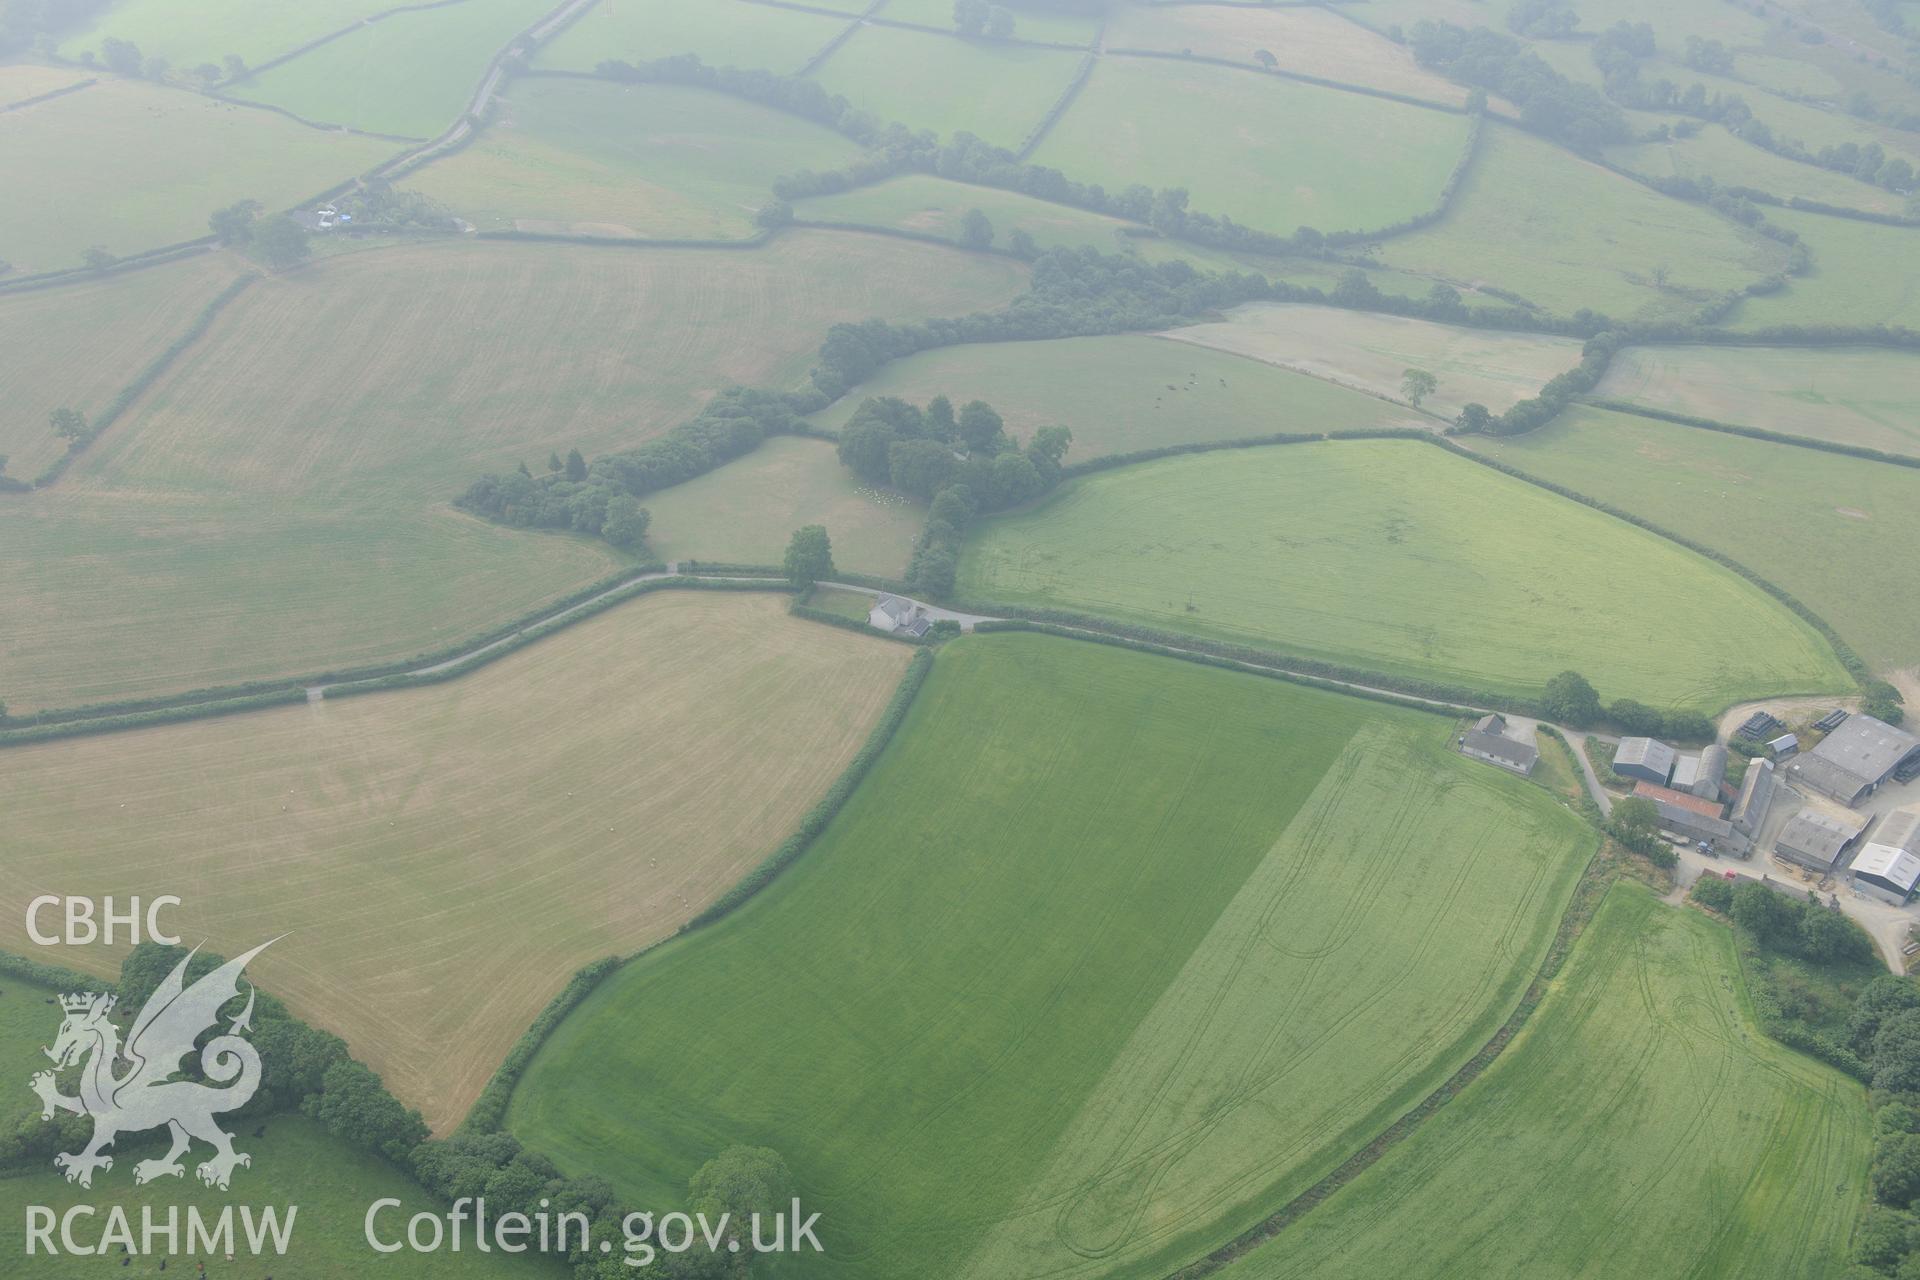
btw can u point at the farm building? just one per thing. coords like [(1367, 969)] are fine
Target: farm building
[(1488, 741), (898, 616), (1784, 747), (1644, 759), (1854, 760), (1678, 799), (1687, 820), (1756, 797), (1701, 775), (1816, 840), (1887, 873)]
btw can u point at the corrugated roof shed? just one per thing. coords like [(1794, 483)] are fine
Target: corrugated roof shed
[(1815, 839), (1900, 829), (1686, 773), (1756, 797), (1713, 772), (1854, 758), (1895, 867), (1644, 757)]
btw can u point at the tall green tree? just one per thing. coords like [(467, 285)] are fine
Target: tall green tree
[(1417, 385), (68, 424), (976, 230), (970, 16), (809, 556), (576, 466), (233, 225), (1570, 699), (980, 427), (999, 22), (282, 242)]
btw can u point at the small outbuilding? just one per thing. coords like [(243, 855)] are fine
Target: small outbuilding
[(897, 615), (1644, 760), (1713, 773), (1816, 840)]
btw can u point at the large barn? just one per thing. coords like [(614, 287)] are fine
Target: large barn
[(1756, 797), (1644, 760), (1853, 761), (1816, 840)]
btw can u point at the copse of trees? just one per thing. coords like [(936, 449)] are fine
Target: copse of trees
[(1550, 104), (809, 556), (601, 498)]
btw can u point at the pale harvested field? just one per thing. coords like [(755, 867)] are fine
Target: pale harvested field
[(1373, 352), (1312, 42), (75, 347), (21, 80), (445, 858), (1851, 396), (279, 506)]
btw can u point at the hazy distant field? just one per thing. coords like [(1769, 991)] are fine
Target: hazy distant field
[(1125, 392), (1029, 24), (189, 32), (1714, 153), (940, 82), (141, 166), (1315, 42), (654, 161), (279, 505), (1274, 154), (22, 80), (447, 857), (294, 1163), (76, 347), (1373, 352), (1391, 556), (1567, 234), (410, 74), (933, 206), (745, 511), (1835, 531), (725, 33), (1861, 276), (1857, 396), (1642, 1124), (1109, 955)]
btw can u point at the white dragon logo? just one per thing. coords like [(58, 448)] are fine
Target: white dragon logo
[(147, 1095)]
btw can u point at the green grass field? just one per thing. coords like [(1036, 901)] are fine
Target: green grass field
[(998, 92), (1029, 23), (76, 347), (188, 34), (1274, 154), (745, 512), (1858, 396), (1372, 352), (1566, 234), (653, 161), (1715, 153), (444, 858), (22, 80), (1306, 40), (279, 505), (725, 33), (1126, 392), (1834, 531), (1859, 276), (934, 206), (1109, 955), (139, 166), (410, 74), (1390, 556), (1640, 1125), (295, 1163)]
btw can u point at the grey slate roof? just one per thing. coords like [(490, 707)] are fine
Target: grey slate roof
[(1647, 754), (1517, 754), (1756, 797)]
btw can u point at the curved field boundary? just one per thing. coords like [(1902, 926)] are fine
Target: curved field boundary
[(324, 126), (490, 1110), (1756, 433), (49, 95), (1588, 892), (1406, 99)]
